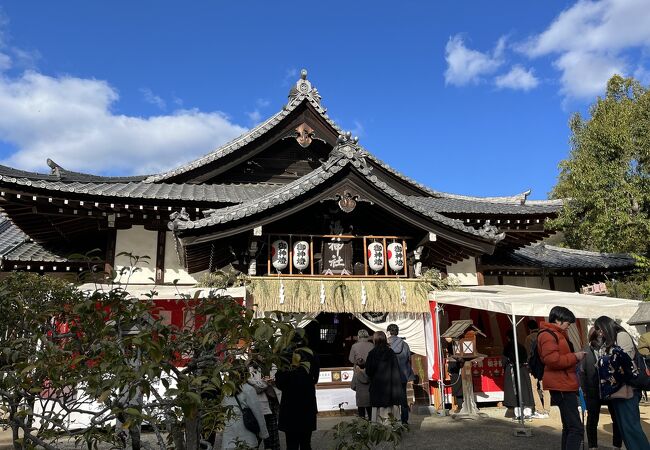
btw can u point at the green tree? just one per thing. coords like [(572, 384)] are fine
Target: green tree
[(606, 179), (102, 358)]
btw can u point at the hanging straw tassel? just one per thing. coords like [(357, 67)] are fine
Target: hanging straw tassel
[(322, 293), (281, 292), (402, 293), (364, 295)]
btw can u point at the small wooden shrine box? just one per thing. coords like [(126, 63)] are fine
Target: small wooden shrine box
[(463, 337)]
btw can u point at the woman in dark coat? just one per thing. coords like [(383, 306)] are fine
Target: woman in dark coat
[(590, 384), (510, 399), (385, 380), (298, 404)]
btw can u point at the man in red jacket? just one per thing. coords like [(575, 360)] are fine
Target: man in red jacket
[(560, 376)]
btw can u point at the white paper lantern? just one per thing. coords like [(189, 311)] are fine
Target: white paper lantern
[(376, 256), (279, 254), (395, 256), (301, 255)]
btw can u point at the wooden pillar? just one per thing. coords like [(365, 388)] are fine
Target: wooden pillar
[(479, 277), (160, 257), (109, 262), (551, 282)]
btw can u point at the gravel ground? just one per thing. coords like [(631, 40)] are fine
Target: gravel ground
[(492, 433)]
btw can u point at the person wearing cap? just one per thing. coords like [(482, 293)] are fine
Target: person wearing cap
[(361, 348), (403, 353)]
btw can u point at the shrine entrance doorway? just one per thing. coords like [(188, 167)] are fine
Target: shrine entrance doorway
[(331, 336)]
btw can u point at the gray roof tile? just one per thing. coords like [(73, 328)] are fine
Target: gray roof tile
[(335, 163), (551, 257), (476, 205), (235, 193), (15, 245)]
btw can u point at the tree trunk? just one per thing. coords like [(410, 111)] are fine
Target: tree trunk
[(177, 436), (192, 433), (135, 437), (15, 427)]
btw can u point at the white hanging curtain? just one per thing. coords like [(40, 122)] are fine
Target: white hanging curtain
[(411, 328)]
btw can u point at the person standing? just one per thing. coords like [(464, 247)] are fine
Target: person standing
[(361, 386), (625, 401), (403, 353), (510, 388), (361, 348), (298, 407), (560, 376), (541, 396), (590, 384), (234, 429), (385, 382), (269, 403)]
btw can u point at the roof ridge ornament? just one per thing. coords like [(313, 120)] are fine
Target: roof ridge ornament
[(57, 170), (303, 88), (491, 232), (347, 148)]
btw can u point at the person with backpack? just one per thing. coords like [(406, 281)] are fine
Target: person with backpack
[(590, 384), (625, 399), (541, 396), (559, 373), (403, 352), (237, 429)]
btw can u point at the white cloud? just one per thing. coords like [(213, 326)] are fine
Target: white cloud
[(359, 130), (153, 99), (255, 116), (5, 62), (590, 40), (70, 120), (465, 66), (518, 78)]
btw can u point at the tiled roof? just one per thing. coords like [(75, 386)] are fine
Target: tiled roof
[(496, 205), (641, 316), (65, 176), (222, 193), (301, 92), (16, 246), (551, 257), (342, 155)]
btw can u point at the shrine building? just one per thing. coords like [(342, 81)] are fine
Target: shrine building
[(321, 226)]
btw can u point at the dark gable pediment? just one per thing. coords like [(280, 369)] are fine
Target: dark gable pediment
[(298, 139)]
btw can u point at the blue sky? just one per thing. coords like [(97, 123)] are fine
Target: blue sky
[(469, 97)]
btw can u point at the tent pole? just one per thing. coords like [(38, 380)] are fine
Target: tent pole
[(517, 370), (441, 367)]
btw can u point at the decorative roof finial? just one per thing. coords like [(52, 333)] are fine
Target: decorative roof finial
[(303, 88)]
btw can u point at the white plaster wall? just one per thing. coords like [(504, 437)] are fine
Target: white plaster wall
[(173, 268), (464, 271), (139, 242)]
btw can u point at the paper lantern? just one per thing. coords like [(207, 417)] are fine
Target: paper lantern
[(376, 256), (395, 256), (301, 255), (279, 254)]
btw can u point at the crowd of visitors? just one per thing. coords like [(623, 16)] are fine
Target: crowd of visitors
[(604, 373)]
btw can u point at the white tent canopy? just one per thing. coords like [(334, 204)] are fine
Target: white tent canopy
[(522, 301)]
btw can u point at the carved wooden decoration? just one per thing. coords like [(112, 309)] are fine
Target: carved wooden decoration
[(304, 135)]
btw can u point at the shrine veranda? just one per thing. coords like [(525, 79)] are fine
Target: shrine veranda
[(322, 227)]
